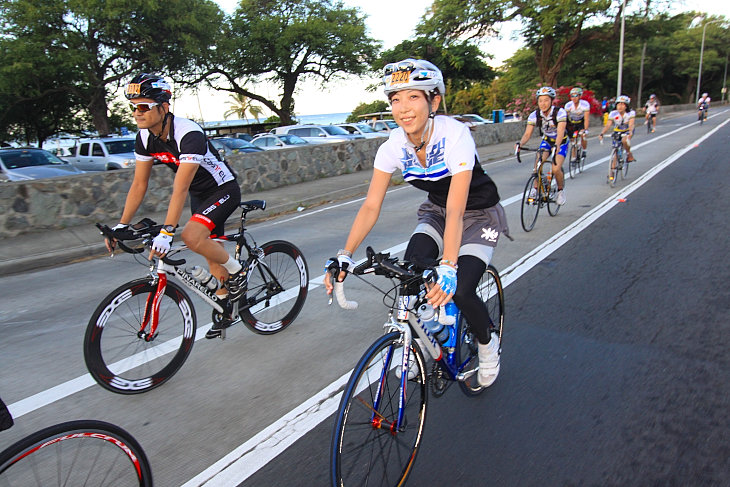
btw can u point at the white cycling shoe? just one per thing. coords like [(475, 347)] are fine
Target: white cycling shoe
[(489, 362)]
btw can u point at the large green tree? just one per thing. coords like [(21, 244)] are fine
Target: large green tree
[(284, 42), (551, 29), (108, 41)]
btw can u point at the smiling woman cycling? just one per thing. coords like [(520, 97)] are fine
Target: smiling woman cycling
[(460, 221)]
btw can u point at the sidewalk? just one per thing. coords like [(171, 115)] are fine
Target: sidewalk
[(40, 250)]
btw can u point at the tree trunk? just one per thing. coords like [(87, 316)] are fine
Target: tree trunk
[(99, 112)]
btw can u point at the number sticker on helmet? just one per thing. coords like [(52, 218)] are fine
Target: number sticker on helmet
[(399, 77), (133, 89)]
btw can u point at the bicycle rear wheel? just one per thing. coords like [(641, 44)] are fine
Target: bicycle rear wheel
[(277, 288), (123, 360), (367, 448), (84, 452), (530, 206), (491, 292), (552, 206)]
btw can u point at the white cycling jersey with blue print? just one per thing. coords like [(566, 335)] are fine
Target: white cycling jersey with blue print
[(449, 151), (549, 128)]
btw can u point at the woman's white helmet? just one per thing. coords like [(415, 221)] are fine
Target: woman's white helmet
[(546, 91), (413, 74), (623, 99)]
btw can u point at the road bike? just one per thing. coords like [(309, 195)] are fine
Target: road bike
[(541, 189), (650, 123), (577, 157), (380, 420), (82, 452), (702, 113), (143, 331), (618, 164)]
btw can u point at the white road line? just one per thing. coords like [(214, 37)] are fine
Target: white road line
[(248, 458)]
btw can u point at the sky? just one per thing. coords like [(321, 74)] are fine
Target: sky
[(390, 22)]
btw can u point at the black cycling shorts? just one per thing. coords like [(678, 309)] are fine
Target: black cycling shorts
[(213, 209)]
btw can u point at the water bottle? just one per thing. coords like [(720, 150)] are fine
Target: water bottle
[(204, 277), (429, 318), (447, 317)]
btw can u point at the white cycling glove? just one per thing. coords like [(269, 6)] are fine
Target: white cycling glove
[(340, 263), (446, 278), (161, 243)]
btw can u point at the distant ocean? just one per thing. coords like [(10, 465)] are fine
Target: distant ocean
[(321, 119)]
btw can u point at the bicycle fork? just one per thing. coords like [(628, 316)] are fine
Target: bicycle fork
[(152, 307)]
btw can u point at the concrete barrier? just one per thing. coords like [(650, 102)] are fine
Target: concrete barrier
[(51, 204)]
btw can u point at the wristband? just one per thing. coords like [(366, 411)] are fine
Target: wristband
[(344, 252), (168, 230), (448, 263)]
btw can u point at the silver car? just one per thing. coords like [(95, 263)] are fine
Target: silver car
[(363, 129), (317, 134), (274, 141), (27, 163)]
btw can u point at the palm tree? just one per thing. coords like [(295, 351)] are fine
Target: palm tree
[(242, 105)]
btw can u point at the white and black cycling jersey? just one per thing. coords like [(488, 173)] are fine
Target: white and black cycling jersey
[(621, 122), (449, 151), (187, 144), (549, 122), (577, 113)]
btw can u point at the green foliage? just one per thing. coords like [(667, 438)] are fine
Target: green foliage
[(461, 63), (286, 41), (105, 43), (363, 108)]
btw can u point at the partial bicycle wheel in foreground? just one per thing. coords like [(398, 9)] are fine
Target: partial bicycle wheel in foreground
[(76, 453)]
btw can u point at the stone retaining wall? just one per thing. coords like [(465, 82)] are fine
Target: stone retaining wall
[(49, 204)]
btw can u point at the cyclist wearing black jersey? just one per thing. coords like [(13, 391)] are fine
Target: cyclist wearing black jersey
[(181, 145)]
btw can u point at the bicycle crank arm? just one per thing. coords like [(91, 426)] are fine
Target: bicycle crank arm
[(465, 375)]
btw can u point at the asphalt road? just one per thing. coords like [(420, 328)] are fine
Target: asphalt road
[(614, 367)]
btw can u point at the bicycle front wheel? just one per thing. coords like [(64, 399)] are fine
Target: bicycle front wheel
[(277, 288), (624, 168), (368, 447), (574, 162), (491, 292), (530, 205), (120, 354), (81, 452), (613, 168), (552, 205)]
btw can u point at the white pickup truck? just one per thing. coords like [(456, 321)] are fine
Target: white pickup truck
[(103, 154)]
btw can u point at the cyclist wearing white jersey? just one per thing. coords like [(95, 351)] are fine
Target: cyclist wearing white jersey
[(578, 111), (652, 110), (181, 145), (622, 119), (703, 105), (551, 121), (460, 221)]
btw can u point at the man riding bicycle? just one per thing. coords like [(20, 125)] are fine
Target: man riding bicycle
[(652, 110), (578, 117), (181, 145), (551, 122), (460, 221), (622, 118), (703, 105)]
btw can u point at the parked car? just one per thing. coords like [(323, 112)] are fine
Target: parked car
[(383, 125), (274, 141), (103, 154), (473, 118), (230, 145), (26, 163), (317, 134), (512, 117), (363, 129)]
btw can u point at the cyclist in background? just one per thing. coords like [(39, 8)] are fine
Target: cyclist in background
[(703, 104), (181, 145), (623, 119), (578, 117), (551, 122), (652, 110), (460, 221)]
